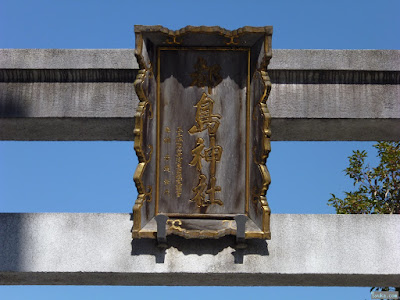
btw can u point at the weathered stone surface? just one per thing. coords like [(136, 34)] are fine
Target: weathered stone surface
[(67, 59), (365, 60), (313, 250), (67, 100), (314, 92), (283, 59)]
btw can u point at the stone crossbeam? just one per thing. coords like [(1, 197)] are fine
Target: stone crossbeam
[(97, 249), (53, 94)]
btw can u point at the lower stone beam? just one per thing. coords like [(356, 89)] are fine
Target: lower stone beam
[(97, 249)]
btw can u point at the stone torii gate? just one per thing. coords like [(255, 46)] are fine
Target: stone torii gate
[(317, 95)]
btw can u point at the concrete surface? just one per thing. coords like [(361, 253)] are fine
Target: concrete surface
[(93, 249), (67, 59), (50, 94), (282, 59)]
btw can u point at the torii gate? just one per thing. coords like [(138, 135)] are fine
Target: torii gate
[(351, 95)]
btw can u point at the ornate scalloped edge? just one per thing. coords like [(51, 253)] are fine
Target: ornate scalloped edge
[(139, 53), (266, 130), (176, 229), (174, 34), (267, 30), (266, 140), (143, 108), (201, 234), (203, 29), (205, 234)]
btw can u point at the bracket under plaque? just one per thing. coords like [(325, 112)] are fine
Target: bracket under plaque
[(202, 132)]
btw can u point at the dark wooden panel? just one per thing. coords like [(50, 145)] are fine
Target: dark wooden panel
[(179, 97)]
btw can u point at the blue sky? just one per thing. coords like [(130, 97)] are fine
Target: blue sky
[(97, 176)]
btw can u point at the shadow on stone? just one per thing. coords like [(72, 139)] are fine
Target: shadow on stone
[(10, 105), (12, 236), (148, 247), (199, 247)]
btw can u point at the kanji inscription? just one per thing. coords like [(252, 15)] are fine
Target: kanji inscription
[(206, 120), (203, 130)]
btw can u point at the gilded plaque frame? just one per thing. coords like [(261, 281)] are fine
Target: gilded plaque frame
[(147, 193)]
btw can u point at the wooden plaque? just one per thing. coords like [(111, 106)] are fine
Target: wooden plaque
[(202, 130)]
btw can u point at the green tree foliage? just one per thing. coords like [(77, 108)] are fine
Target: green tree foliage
[(377, 189)]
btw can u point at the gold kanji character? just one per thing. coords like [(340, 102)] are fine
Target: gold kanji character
[(199, 198), (213, 154), (197, 154), (212, 190), (205, 75), (204, 116)]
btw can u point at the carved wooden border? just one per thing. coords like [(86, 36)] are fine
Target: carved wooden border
[(266, 149), (266, 137), (144, 107)]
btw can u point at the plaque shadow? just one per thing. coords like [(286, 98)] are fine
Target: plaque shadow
[(12, 106), (199, 247), (181, 66)]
